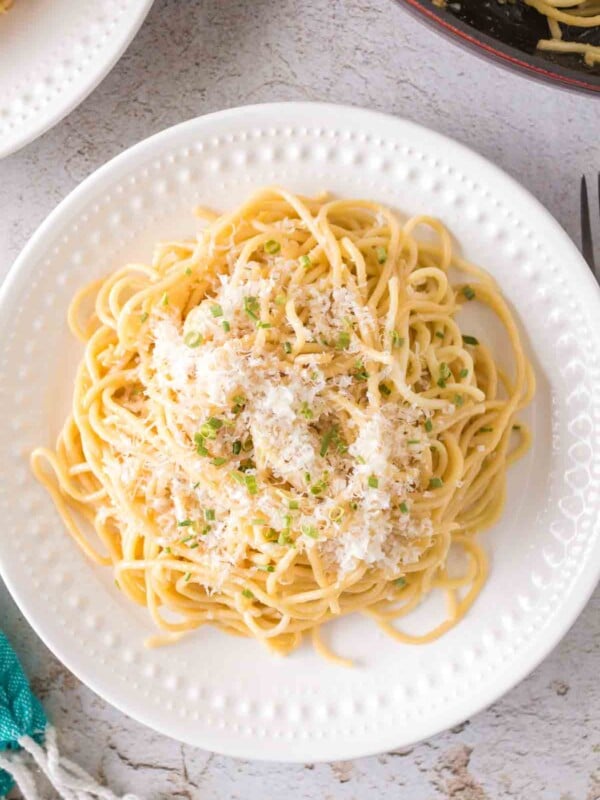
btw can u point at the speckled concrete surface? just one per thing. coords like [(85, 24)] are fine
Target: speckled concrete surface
[(194, 56)]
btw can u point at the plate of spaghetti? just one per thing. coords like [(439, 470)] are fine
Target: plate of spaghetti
[(303, 475), (553, 40), (53, 53)]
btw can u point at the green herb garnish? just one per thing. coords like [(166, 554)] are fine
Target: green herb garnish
[(436, 483), (305, 262), (287, 347), (373, 482), (343, 341), (468, 292), (470, 340), (184, 523), (382, 254), (226, 326), (193, 338), (404, 508), (272, 247), (216, 310)]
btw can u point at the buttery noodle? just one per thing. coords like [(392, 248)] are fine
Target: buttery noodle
[(282, 422)]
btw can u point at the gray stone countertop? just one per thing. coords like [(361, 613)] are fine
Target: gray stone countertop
[(542, 740)]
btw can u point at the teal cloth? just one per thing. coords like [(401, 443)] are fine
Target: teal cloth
[(20, 711)]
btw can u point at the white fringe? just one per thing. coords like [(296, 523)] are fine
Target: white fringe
[(69, 780)]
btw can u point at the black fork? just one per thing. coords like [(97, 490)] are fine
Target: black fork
[(587, 242)]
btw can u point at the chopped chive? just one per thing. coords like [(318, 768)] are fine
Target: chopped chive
[(326, 440), (184, 523), (400, 582), (263, 325), (310, 530), (266, 567), (247, 593), (485, 430), (188, 270), (403, 508), (226, 326), (428, 425), (354, 505), (186, 539), (360, 460), (305, 262), (397, 340), (307, 477), (287, 347), (468, 292), (239, 477), (219, 461), (216, 310), (215, 423), (193, 338), (439, 334), (317, 488), (293, 504), (458, 400), (373, 482), (251, 307), (205, 530), (209, 514), (284, 538), (144, 316), (414, 441), (164, 300), (441, 383), (343, 341), (470, 340), (272, 247), (259, 521), (250, 481), (193, 546), (200, 448), (306, 411), (464, 373), (436, 483), (287, 521), (196, 485), (236, 447), (168, 550), (445, 372), (385, 389), (280, 300), (187, 576), (270, 535), (361, 373), (382, 254)]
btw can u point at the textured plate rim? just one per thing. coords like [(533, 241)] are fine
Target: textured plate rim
[(42, 123), (526, 660)]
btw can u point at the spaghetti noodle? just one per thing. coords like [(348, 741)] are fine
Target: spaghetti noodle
[(282, 422), (575, 14)]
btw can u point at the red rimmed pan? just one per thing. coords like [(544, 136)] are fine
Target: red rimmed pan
[(508, 33)]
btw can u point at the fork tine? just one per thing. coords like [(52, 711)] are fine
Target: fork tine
[(587, 246)]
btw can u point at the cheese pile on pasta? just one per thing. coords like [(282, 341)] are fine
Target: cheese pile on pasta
[(282, 422)]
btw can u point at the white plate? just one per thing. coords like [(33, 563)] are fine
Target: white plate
[(229, 694), (52, 54)]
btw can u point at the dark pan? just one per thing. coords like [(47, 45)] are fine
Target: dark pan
[(508, 33)]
